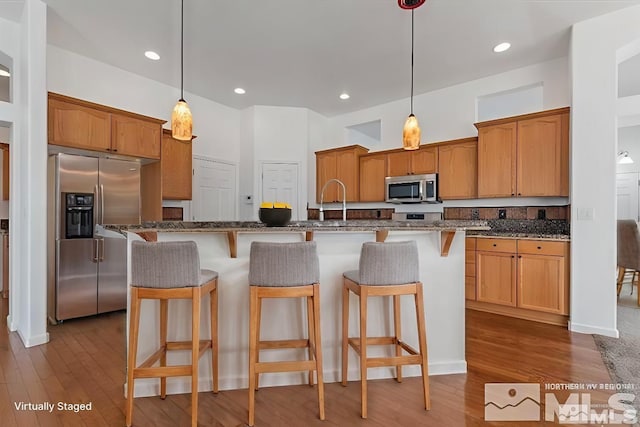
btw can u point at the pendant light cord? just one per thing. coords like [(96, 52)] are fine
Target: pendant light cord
[(182, 52), (411, 61)]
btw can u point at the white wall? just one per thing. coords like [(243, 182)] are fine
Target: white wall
[(28, 262), (280, 134), (447, 114), (594, 47), (216, 125), (247, 211)]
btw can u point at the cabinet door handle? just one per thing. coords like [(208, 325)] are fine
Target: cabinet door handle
[(513, 194), (115, 150), (519, 194), (519, 256), (539, 247), (513, 256), (494, 245)]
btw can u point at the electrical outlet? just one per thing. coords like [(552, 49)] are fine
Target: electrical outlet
[(502, 213), (542, 214), (475, 213)]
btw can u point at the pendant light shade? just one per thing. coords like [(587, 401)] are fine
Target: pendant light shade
[(181, 119), (410, 4), (411, 131)]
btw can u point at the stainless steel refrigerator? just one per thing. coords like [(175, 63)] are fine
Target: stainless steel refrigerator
[(90, 262)]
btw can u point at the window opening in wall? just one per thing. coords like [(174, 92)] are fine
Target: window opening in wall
[(367, 134), (629, 77), (6, 65), (512, 102)]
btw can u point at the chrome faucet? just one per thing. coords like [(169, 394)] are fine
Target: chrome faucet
[(344, 198)]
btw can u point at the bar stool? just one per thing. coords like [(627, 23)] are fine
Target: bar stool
[(164, 271), (386, 269), (284, 270)]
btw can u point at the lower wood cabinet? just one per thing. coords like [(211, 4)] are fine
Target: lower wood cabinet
[(543, 276), (496, 277), (521, 278), (470, 268)]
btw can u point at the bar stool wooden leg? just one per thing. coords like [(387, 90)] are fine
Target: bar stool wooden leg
[(163, 344), (621, 271), (195, 354), (213, 303), (134, 327), (364, 295), (422, 338), (257, 348), (311, 331), (318, 348), (253, 348), (398, 332), (345, 333)]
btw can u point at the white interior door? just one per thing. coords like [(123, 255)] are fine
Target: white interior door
[(214, 190), (627, 195), (280, 184)]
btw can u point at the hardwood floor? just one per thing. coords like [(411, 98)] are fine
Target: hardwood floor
[(85, 362)]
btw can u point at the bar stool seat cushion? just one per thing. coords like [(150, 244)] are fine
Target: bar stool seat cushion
[(283, 264), (165, 265), (207, 276), (389, 263)]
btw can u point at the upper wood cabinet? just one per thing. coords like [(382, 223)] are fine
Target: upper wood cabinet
[(135, 137), (497, 160), (373, 168), (421, 161), (176, 164), (74, 125), (85, 125), (339, 163), (525, 155), (457, 169)]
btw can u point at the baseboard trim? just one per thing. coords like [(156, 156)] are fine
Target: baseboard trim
[(34, 341), (594, 330), (146, 387)]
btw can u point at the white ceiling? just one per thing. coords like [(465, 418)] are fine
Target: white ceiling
[(304, 53)]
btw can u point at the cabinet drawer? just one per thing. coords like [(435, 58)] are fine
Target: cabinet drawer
[(541, 247), (496, 245)]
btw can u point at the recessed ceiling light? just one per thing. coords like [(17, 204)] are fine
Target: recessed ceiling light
[(344, 96), (152, 55), (4, 73), (240, 91), (502, 47)]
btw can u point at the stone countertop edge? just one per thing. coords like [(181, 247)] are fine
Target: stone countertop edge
[(491, 234), (301, 226)]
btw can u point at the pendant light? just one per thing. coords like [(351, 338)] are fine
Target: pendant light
[(411, 131), (181, 119)]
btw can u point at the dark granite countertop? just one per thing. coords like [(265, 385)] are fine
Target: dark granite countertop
[(513, 235), (299, 226)]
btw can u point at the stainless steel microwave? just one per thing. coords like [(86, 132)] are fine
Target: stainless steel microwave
[(411, 189)]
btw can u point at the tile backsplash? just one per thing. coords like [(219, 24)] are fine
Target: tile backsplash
[(519, 212)]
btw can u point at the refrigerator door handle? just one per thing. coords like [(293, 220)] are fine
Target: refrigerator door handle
[(101, 247), (101, 204), (96, 197), (95, 250)]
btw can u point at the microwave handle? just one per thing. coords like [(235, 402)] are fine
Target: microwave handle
[(422, 189)]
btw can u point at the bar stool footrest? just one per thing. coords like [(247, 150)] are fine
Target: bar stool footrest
[(163, 371), (282, 344), (293, 366), (377, 362)]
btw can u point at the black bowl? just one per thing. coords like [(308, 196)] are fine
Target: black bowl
[(275, 217)]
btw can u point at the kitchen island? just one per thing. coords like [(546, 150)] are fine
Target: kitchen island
[(224, 247)]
